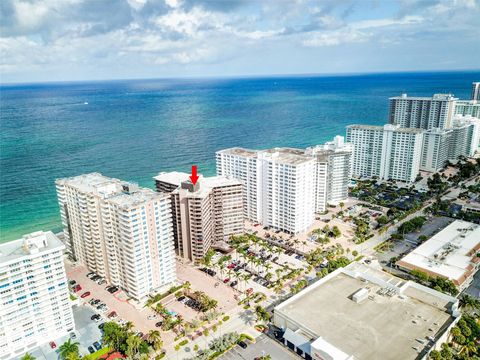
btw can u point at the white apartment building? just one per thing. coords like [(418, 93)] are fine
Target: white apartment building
[(422, 112), (475, 91), (333, 172), (119, 231), (203, 214), (386, 152), (468, 108), (465, 136), (436, 149), (34, 300), (278, 183)]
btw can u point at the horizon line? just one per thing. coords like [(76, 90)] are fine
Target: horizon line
[(242, 76)]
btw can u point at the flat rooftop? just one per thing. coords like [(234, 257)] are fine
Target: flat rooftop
[(34, 243), (437, 97), (92, 182), (378, 327), (137, 197), (289, 156), (240, 152), (449, 253), (172, 177), (385, 127)]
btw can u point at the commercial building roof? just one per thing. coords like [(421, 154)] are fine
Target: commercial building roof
[(34, 243), (449, 254), (392, 321)]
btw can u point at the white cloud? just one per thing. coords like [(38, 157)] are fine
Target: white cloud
[(46, 35)]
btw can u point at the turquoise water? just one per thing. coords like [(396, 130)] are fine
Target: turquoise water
[(134, 129)]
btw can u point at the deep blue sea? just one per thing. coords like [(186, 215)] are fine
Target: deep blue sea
[(134, 129)]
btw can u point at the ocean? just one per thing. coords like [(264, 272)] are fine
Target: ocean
[(134, 129)]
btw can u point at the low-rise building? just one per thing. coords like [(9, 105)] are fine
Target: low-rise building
[(203, 214), (362, 313), (450, 254), (35, 307)]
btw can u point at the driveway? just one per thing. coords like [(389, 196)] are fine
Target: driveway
[(263, 346)]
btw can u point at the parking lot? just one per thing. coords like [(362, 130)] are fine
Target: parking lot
[(411, 241), (87, 332), (115, 302), (263, 346)]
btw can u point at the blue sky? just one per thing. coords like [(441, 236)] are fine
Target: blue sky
[(56, 40)]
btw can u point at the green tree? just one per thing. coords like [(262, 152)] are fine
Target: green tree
[(68, 347), (133, 345), (28, 356), (155, 339)]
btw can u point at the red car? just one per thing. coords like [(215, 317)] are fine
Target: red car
[(231, 266), (85, 294), (226, 280), (113, 314), (77, 288), (249, 291), (52, 344)]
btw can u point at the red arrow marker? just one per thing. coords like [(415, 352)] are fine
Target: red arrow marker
[(194, 176)]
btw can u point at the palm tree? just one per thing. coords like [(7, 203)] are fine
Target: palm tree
[(133, 344), (73, 356), (155, 339), (27, 356), (187, 286), (68, 347), (129, 325)]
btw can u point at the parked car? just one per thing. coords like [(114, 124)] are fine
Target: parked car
[(72, 282), (101, 281), (90, 274), (234, 283), (77, 288), (85, 294), (101, 326), (158, 324), (97, 345), (91, 349), (112, 315), (242, 344), (73, 336), (113, 289), (181, 298), (96, 302), (226, 280), (52, 344)]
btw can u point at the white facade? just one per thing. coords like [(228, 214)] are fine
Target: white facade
[(436, 149), (468, 107), (465, 137), (120, 231), (34, 300), (278, 184), (287, 190), (450, 254), (422, 112), (333, 172), (386, 152), (475, 91)]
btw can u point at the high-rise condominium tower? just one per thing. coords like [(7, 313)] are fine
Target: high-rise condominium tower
[(422, 112), (475, 91), (120, 231), (203, 214), (386, 152), (34, 301), (333, 172), (279, 185)]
